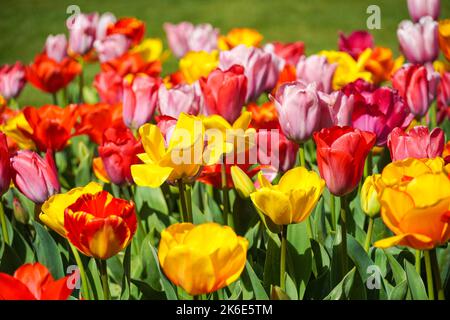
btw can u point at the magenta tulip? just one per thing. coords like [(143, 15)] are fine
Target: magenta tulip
[(275, 150), (290, 52), (422, 8), (56, 47), (339, 107), (5, 166), (316, 69), (12, 80), (355, 43), (181, 98)]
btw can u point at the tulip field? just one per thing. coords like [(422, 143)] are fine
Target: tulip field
[(212, 163)]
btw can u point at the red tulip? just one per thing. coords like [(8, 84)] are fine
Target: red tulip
[(109, 86), (341, 154), (264, 116), (5, 166), (33, 281), (49, 75), (224, 92), (118, 152), (291, 52), (132, 63), (416, 143), (133, 28), (212, 174), (355, 43), (281, 156)]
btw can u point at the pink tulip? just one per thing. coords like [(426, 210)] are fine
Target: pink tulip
[(82, 32), (5, 166), (340, 109), (104, 22), (181, 98), (261, 68), (109, 86), (416, 143), (444, 89), (355, 43), (419, 41), (417, 86), (34, 176), (184, 37), (166, 125), (421, 8), (12, 80), (299, 110), (140, 96), (282, 157), (289, 52), (56, 47), (112, 47), (316, 69), (224, 92)]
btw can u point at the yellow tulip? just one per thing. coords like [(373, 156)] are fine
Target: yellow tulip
[(195, 65), (237, 36), (150, 49), (183, 157), (348, 69), (415, 201), (14, 127), (369, 196), (292, 200), (203, 258), (242, 183), (52, 211)]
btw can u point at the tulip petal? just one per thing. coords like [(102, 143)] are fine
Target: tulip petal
[(150, 175), (274, 204), (57, 290), (152, 141), (417, 241), (13, 289)]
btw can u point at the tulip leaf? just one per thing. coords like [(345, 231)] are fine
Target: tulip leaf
[(9, 260), (148, 293), (291, 288), (95, 284), (397, 270), (151, 271), (47, 251), (250, 275), (399, 292), (272, 263), (342, 290), (166, 285), (415, 283), (153, 197)]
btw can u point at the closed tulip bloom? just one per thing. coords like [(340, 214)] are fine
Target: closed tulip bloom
[(106, 20), (82, 32), (132, 28), (242, 182), (422, 8), (33, 281), (111, 47), (369, 196), (444, 89), (316, 69), (355, 43), (5, 166), (341, 154), (292, 200), (56, 47), (261, 68), (290, 52), (201, 259), (340, 109), (195, 65), (100, 225), (109, 85), (418, 143), (12, 80), (52, 210), (444, 37), (415, 201), (118, 152), (203, 38), (181, 98), (224, 92), (241, 36), (419, 41), (140, 95), (275, 150), (417, 86), (299, 110), (35, 177)]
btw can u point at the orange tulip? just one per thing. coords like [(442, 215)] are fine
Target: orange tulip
[(264, 116), (380, 64), (132, 63), (133, 28), (444, 37)]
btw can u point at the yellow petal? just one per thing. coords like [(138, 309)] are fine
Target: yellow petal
[(152, 141), (416, 241), (274, 204), (150, 175), (243, 121)]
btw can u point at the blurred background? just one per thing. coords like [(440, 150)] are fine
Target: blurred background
[(25, 24)]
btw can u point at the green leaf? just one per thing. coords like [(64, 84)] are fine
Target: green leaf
[(397, 270), (415, 283), (151, 273), (250, 276), (399, 292), (95, 284), (153, 197), (272, 262), (9, 261), (47, 251), (166, 285), (342, 290)]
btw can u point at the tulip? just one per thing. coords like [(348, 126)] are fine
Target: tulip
[(5, 167), (111, 47), (33, 281), (197, 266), (104, 22), (264, 116), (382, 65), (109, 86), (240, 36), (35, 177), (181, 98), (299, 110), (369, 196), (12, 80), (422, 8), (132, 63), (140, 95), (289, 52), (276, 150), (118, 152), (261, 68), (51, 126), (224, 92), (341, 154), (444, 37), (419, 41), (52, 210), (340, 109), (355, 43), (203, 38), (13, 128), (418, 143), (150, 49), (82, 32), (56, 47), (415, 197), (212, 174), (49, 75), (242, 182), (132, 28), (195, 65), (444, 89), (100, 225), (316, 69), (417, 86)]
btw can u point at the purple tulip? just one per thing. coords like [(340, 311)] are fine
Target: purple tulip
[(339, 107), (181, 98), (421, 8), (112, 47), (5, 166), (12, 80), (56, 47), (355, 43), (316, 69)]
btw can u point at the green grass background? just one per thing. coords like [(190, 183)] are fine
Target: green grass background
[(25, 24)]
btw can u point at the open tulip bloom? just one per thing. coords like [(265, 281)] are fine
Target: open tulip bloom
[(217, 164)]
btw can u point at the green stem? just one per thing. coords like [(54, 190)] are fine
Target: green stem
[(418, 257), (283, 258), (344, 235), (301, 154), (369, 235), (437, 275), (80, 86), (426, 255), (84, 283), (368, 165), (3, 222), (333, 211), (184, 212), (64, 94), (433, 115), (189, 204), (104, 278), (227, 214), (54, 99)]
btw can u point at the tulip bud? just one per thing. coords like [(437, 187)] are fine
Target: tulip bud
[(5, 167), (369, 196), (12, 80), (243, 184), (20, 214), (56, 47)]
